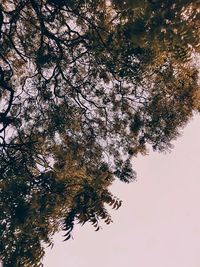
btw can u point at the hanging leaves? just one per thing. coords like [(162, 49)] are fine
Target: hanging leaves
[(85, 86)]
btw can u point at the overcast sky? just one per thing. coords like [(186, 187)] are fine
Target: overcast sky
[(159, 222)]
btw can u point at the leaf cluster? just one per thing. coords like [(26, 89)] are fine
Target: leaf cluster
[(85, 86)]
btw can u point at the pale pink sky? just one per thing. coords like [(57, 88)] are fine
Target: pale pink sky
[(159, 222)]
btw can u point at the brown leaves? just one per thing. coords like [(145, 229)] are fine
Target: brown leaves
[(85, 85)]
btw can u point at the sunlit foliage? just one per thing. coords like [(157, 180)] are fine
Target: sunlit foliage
[(84, 87)]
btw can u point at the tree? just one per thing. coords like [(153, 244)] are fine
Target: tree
[(84, 87)]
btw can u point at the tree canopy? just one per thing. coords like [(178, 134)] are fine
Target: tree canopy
[(84, 87)]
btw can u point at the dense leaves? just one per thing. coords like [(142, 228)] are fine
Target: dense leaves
[(84, 87)]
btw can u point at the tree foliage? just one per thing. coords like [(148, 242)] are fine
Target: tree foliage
[(84, 87)]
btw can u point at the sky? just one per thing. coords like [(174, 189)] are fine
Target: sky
[(159, 221)]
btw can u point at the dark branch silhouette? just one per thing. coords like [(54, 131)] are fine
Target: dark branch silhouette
[(85, 86)]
